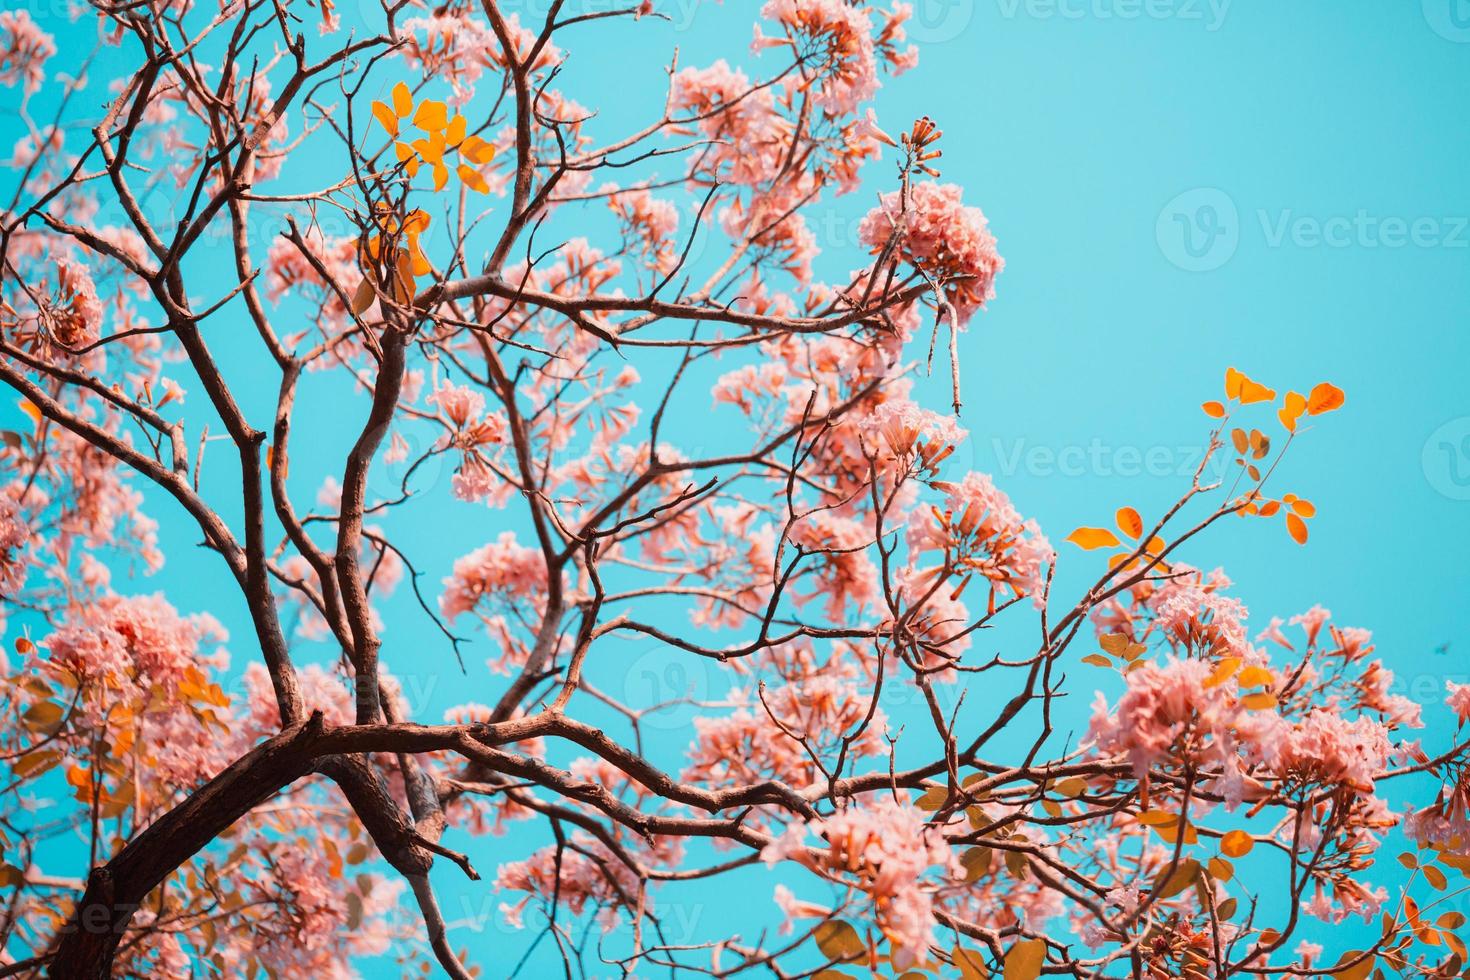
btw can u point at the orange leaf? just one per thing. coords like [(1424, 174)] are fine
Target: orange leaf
[(1292, 410), (473, 180), (1214, 410), (402, 100), (1297, 527), (1251, 392), (1236, 844), (1325, 398), (454, 135), (477, 150), (385, 117), (1304, 507), (1090, 538), (1222, 672), (1255, 676), (363, 297), (29, 407), (1258, 702), (431, 116), (1233, 380), (1129, 522)]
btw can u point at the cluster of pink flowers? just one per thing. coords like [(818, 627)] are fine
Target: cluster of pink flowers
[(888, 851), (15, 539), (453, 44), (842, 46), (471, 429), (24, 50), (584, 874), (911, 433), (649, 221), (136, 644), (937, 233), (819, 709), (289, 272), (843, 572), (75, 319), (1325, 749), (1194, 611), (979, 532)]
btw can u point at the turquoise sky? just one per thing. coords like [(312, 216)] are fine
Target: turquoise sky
[(1177, 186)]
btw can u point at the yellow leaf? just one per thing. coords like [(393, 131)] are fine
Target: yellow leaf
[(1090, 538), (1255, 677), (403, 151), (402, 100), (1233, 379), (1181, 878), (364, 297), (1236, 844), (454, 134), (35, 762), (418, 261), (473, 180), (430, 150), (1354, 965), (970, 963), (1025, 960), (1071, 787), (1292, 410), (441, 176), (1129, 522), (839, 941), (384, 115), (1223, 672), (477, 150), (1097, 660), (1325, 398), (431, 116), (1258, 702)]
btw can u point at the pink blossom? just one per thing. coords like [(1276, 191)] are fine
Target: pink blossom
[(948, 240), (24, 49)]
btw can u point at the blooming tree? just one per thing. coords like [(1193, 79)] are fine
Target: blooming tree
[(266, 211)]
